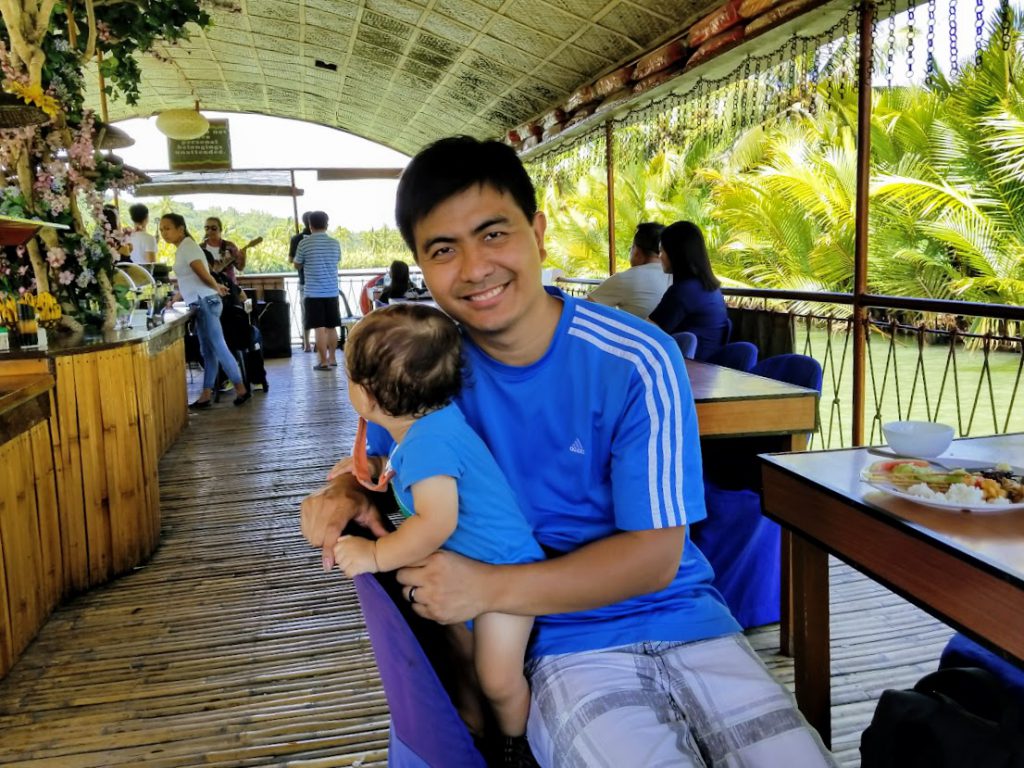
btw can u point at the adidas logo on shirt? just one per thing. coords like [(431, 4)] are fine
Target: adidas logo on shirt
[(577, 447)]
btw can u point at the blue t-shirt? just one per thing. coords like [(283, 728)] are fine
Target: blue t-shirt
[(491, 527), (597, 437), (319, 255), (688, 306)]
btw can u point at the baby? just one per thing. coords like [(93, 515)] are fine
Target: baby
[(404, 365)]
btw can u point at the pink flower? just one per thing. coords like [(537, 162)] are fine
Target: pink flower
[(56, 257), (66, 277)]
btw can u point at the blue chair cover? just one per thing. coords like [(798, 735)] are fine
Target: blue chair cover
[(800, 370), (961, 651), (425, 728), (687, 343), (742, 545), (741, 355)]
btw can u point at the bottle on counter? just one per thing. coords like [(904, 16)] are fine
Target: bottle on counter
[(5, 341)]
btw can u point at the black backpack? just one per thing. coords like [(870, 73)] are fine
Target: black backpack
[(960, 717)]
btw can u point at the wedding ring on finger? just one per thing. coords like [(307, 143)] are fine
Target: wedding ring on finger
[(412, 594)]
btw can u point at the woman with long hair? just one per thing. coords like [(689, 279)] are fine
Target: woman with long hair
[(694, 301), (202, 293), (399, 284)]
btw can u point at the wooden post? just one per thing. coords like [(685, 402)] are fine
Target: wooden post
[(295, 202), (103, 113), (860, 263), (609, 161)]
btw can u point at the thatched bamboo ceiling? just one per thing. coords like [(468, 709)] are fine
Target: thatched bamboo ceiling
[(402, 72)]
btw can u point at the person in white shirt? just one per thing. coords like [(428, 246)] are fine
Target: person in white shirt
[(143, 243), (639, 289)]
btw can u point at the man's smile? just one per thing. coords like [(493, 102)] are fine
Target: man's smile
[(487, 294)]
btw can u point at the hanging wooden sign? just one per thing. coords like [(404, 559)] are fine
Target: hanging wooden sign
[(210, 152)]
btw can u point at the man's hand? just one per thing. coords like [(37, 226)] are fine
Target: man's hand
[(343, 467), (449, 588), (355, 555), (326, 512)]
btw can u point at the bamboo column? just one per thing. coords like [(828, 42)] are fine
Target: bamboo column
[(860, 264)]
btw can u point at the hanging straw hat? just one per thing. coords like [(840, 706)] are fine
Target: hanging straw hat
[(15, 113), (107, 136)]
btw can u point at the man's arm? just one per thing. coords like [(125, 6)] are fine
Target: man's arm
[(452, 589), (610, 292), (240, 258)]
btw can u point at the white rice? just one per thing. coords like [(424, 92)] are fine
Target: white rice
[(922, 490), (958, 493)]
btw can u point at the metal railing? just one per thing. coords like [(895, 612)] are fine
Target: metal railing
[(956, 362)]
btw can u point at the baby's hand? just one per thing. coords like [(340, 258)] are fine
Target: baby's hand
[(355, 555)]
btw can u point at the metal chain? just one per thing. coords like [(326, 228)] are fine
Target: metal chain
[(954, 65), (813, 76), (771, 73), (793, 87), (1004, 24), (745, 96), (890, 51), (930, 44), (910, 43), (979, 25), (755, 93)]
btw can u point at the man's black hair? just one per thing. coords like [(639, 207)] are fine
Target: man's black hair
[(138, 213), (648, 237), (317, 220), (453, 165)]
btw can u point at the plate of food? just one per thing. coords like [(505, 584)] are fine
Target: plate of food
[(975, 487)]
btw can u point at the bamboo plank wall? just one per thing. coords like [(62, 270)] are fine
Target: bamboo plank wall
[(107, 476), (80, 490), (30, 558)]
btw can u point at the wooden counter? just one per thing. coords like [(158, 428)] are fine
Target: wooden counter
[(82, 428)]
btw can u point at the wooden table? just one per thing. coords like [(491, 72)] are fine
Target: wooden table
[(965, 569), (733, 404)]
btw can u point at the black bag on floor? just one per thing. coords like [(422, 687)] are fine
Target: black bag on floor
[(255, 370), (959, 717)]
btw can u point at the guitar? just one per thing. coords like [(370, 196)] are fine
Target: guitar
[(229, 258)]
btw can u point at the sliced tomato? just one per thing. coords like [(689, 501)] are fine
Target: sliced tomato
[(890, 465)]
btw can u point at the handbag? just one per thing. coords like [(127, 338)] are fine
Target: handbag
[(959, 717)]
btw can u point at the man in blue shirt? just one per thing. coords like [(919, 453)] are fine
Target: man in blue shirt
[(588, 411)]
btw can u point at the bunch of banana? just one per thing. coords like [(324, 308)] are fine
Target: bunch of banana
[(47, 308), (8, 312)]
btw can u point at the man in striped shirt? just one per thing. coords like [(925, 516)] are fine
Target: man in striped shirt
[(319, 255)]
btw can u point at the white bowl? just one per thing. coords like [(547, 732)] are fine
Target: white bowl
[(918, 438)]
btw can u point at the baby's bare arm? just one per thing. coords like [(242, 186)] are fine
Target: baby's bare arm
[(436, 501)]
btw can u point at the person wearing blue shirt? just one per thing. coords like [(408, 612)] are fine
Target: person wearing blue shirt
[(589, 413), (404, 364), (694, 301)]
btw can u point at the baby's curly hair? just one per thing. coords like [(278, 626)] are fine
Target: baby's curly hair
[(408, 357)]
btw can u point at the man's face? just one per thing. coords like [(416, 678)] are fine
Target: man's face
[(636, 256), (481, 259)]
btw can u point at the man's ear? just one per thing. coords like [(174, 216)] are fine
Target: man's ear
[(540, 225)]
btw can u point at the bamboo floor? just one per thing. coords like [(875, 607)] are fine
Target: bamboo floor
[(231, 647)]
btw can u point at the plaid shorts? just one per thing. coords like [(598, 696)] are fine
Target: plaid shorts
[(704, 704)]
